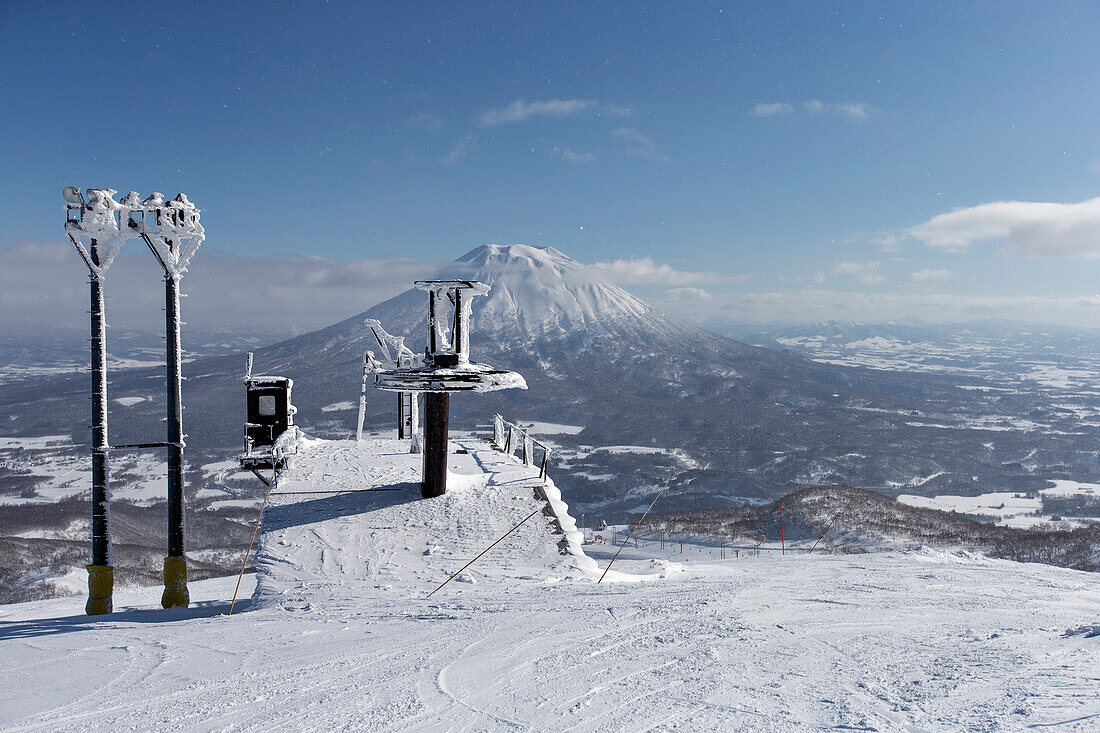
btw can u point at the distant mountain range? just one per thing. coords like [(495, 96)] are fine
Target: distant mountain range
[(653, 394), (625, 394)]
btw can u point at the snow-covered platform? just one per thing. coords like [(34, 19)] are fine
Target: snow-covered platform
[(341, 636), (379, 537)]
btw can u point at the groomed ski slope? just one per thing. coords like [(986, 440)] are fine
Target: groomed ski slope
[(340, 634)]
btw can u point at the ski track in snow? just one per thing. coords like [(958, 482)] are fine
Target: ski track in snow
[(339, 634)]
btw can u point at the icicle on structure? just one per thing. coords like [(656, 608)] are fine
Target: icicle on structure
[(173, 234), (446, 368)]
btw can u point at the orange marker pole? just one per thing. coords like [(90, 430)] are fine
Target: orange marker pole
[(782, 541)]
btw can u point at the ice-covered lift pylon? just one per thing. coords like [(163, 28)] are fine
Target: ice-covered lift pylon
[(447, 368)]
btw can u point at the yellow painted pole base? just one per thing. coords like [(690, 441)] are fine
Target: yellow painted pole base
[(175, 583), (101, 585)]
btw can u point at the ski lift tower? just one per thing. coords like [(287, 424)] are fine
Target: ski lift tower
[(447, 368), (97, 220), (173, 233)]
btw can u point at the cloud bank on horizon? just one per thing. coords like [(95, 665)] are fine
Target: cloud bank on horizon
[(289, 295)]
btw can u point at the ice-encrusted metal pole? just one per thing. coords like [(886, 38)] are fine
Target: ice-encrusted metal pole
[(94, 218), (175, 586), (101, 574), (101, 539), (173, 236), (367, 358)]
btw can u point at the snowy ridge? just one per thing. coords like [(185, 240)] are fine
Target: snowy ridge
[(845, 519), (319, 548)]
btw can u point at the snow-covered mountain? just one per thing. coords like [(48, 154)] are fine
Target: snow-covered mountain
[(540, 293), (646, 394), (541, 302), (625, 394)]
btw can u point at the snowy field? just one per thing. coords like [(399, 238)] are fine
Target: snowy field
[(1008, 508), (340, 633), (62, 471)]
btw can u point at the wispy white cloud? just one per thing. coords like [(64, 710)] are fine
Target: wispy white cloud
[(771, 109), (572, 156), (426, 121), (931, 276), (868, 273), (852, 110), (688, 295), (615, 110), (639, 145), (1027, 228), (829, 304), (888, 241), (520, 111), (644, 271), (460, 150)]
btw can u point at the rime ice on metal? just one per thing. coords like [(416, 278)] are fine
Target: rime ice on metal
[(394, 355), (446, 368), (173, 234), (269, 432)]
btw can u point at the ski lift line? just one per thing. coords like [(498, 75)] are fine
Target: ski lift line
[(637, 524), (343, 491), (255, 530), (513, 529), (138, 446), (827, 528)]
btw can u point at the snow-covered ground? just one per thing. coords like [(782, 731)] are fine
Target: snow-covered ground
[(1000, 504), (1010, 508), (1071, 488), (341, 633), (63, 471)]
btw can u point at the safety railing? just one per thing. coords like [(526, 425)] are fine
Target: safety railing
[(508, 437)]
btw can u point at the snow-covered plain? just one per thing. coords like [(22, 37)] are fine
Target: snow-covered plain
[(341, 633), (62, 471), (1009, 508)]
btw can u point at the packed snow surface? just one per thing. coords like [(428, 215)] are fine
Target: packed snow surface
[(340, 633)]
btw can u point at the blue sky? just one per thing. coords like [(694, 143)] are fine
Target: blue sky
[(780, 158)]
